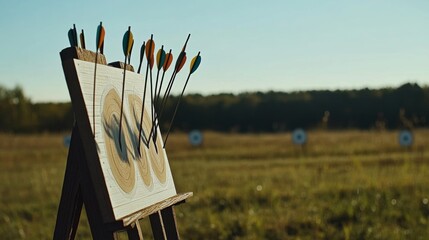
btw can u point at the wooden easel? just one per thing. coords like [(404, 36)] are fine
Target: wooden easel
[(83, 182)]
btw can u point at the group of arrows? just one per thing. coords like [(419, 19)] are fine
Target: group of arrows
[(163, 62)]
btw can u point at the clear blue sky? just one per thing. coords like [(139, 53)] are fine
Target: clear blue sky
[(245, 45)]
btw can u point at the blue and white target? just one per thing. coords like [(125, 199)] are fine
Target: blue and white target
[(405, 138), (299, 136), (195, 138)]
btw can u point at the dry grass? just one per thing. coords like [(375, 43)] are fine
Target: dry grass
[(342, 185)]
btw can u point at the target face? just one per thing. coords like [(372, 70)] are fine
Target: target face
[(136, 176), (299, 136), (405, 138), (195, 138)]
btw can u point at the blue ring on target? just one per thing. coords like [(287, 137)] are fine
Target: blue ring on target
[(405, 138), (195, 138), (299, 137)]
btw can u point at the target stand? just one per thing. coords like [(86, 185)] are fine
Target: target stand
[(118, 186)]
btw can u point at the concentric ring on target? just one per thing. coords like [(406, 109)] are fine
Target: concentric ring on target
[(141, 155), (121, 166)]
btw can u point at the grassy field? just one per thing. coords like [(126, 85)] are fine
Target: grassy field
[(342, 185)]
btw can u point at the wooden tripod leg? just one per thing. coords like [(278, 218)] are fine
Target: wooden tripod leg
[(71, 198), (135, 232), (157, 227), (163, 224), (99, 229), (169, 221)]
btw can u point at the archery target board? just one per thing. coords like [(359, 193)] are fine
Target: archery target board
[(299, 136), (405, 138), (134, 181)]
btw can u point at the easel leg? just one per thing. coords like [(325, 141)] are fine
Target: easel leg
[(169, 221), (98, 228), (163, 224), (71, 199), (135, 232), (157, 227), (77, 189)]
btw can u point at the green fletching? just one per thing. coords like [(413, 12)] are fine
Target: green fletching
[(142, 50), (160, 58), (195, 63), (127, 42), (72, 37)]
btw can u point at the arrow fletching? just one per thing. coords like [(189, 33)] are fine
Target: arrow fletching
[(180, 61), (127, 42), (160, 58), (72, 34), (82, 40), (142, 50), (168, 61), (100, 36), (150, 48), (151, 62), (71, 38), (195, 63), (131, 51)]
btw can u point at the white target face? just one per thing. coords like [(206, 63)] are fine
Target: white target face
[(136, 177), (299, 136), (405, 138)]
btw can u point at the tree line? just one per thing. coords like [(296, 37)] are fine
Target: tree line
[(387, 108)]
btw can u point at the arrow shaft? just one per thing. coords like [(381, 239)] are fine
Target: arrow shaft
[(142, 113), (163, 103), (175, 110), (122, 104), (159, 91)]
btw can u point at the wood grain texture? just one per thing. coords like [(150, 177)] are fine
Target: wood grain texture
[(121, 65), (82, 54), (179, 198)]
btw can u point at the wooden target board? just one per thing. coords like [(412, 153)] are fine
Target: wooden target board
[(134, 178)]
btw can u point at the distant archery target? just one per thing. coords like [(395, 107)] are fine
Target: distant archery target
[(121, 165), (67, 141), (405, 138), (195, 138), (142, 158), (299, 136)]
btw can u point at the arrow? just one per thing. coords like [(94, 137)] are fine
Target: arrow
[(82, 40), (166, 65), (160, 60), (179, 64), (127, 45), (195, 63), (150, 45), (99, 42)]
